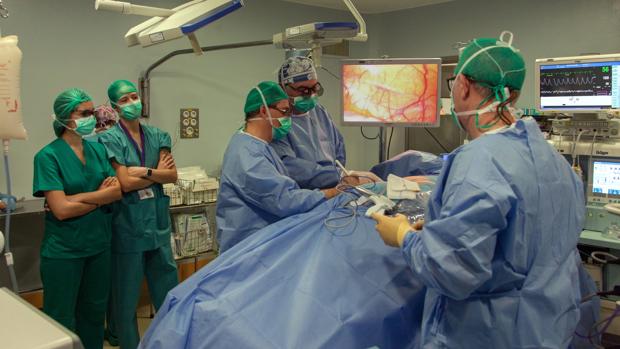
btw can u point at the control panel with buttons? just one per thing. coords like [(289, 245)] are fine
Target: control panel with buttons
[(588, 128), (190, 123)]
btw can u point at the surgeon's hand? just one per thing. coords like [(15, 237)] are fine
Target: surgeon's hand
[(136, 171), (330, 193), (419, 225), (392, 229)]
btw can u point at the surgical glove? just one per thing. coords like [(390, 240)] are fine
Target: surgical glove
[(392, 229)]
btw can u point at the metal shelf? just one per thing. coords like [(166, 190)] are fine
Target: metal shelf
[(191, 208)]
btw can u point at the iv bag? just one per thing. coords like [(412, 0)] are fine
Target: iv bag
[(11, 125)]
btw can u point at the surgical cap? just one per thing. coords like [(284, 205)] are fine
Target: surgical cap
[(119, 88), (273, 94), (492, 63), (65, 104), (297, 69)]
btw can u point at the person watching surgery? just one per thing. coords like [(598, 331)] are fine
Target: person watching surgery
[(141, 156), (310, 149), (498, 249), (255, 187), (78, 184)]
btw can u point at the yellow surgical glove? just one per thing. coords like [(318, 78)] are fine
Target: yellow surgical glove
[(392, 229)]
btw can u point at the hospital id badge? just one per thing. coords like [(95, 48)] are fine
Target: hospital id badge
[(146, 194)]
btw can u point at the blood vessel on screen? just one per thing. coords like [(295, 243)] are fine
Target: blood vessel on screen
[(391, 92)]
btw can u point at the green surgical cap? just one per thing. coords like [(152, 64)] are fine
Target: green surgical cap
[(492, 63), (119, 88), (271, 90), (65, 104)]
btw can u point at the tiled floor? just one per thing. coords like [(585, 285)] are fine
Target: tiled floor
[(143, 324)]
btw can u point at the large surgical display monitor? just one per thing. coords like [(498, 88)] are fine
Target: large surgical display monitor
[(584, 83), (391, 92), (604, 179)]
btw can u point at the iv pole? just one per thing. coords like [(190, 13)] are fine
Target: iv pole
[(4, 13)]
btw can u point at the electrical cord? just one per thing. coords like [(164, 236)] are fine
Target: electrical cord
[(575, 156), (333, 228), (389, 144), (369, 138), (436, 140), (592, 147), (604, 257), (346, 189), (330, 73), (594, 332)]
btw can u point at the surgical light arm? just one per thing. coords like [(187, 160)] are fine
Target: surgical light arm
[(170, 24), (127, 8), (361, 35), (317, 35)]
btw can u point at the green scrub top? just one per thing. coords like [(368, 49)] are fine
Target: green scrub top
[(139, 224), (57, 167)]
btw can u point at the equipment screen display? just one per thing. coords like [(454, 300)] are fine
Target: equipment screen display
[(606, 178), (391, 93), (588, 86)]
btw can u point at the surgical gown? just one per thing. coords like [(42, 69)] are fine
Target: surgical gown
[(310, 149), (255, 191), (498, 252)]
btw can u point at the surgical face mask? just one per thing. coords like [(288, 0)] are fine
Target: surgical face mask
[(280, 132), (83, 126), (131, 111), (477, 113), (515, 112), (304, 104)]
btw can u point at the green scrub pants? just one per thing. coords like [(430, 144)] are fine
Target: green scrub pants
[(128, 269), (75, 293)]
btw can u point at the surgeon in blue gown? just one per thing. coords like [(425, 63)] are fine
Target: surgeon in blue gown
[(255, 188), (498, 250), (314, 143)]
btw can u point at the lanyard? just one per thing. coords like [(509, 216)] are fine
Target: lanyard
[(141, 154)]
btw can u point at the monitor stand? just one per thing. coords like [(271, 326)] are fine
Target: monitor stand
[(381, 145)]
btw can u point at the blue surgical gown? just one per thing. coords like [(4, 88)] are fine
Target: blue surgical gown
[(255, 191), (310, 149), (498, 251)]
